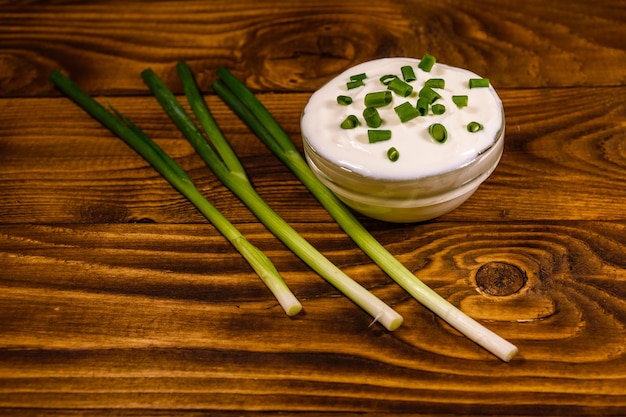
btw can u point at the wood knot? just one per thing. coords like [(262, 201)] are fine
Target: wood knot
[(500, 278)]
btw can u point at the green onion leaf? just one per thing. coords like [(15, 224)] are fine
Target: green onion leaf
[(429, 94), (386, 79), (435, 83), (378, 99), (393, 154), (248, 107), (372, 117), (356, 81), (408, 74), (344, 100), (438, 109), (350, 122), (473, 127), (460, 101), (422, 106), (138, 140), (438, 132), (478, 82), (400, 87), (378, 135), (427, 62), (406, 112)]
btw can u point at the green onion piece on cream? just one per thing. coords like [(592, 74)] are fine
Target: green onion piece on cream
[(386, 79), (438, 109), (474, 127), (344, 100), (427, 62), (438, 132), (372, 117), (422, 106), (378, 135), (478, 82), (406, 112), (429, 95), (460, 101), (378, 99), (401, 88), (393, 154), (350, 122), (435, 83), (408, 74)]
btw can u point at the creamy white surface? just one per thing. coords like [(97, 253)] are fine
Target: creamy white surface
[(420, 155)]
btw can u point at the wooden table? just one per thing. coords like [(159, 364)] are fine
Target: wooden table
[(118, 298)]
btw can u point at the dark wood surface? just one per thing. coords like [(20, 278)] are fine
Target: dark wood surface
[(118, 298)]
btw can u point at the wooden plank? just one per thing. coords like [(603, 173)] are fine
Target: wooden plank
[(105, 47), (168, 317)]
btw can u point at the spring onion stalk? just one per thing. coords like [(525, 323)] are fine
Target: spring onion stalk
[(406, 112), (238, 183), (438, 132), (460, 101), (243, 102), (378, 98), (176, 176)]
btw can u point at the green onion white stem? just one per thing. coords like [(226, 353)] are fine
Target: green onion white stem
[(243, 102), (176, 176), (232, 175)]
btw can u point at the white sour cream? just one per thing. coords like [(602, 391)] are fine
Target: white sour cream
[(420, 155)]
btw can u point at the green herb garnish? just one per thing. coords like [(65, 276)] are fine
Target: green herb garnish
[(406, 112), (460, 101), (393, 154), (438, 132), (427, 62), (435, 83), (378, 99), (372, 117), (407, 73), (401, 88), (375, 136), (350, 122), (478, 82), (473, 127), (344, 100)]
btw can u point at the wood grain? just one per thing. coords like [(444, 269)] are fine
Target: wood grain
[(118, 298), (104, 47)]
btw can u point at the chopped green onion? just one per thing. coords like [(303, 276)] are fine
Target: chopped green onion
[(372, 117), (386, 79), (478, 82), (438, 132), (378, 135), (460, 101), (354, 84), (138, 140), (259, 119), (393, 154), (378, 99), (246, 192), (344, 100), (350, 122), (358, 77), (427, 62), (400, 87), (438, 109), (435, 83), (406, 112), (429, 94), (473, 127), (422, 106), (408, 74)]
